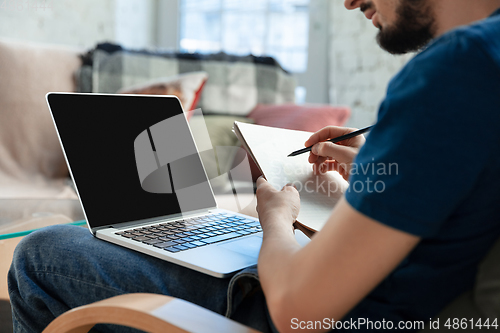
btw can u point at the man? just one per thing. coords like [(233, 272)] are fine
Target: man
[(396, 253)]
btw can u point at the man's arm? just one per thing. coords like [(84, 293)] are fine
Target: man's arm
[(343, 262)]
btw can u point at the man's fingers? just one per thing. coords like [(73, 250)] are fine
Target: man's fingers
[(312, 158), (326, 133), (289, 187), (262, 184), (319, 162), (330, 166), (341, 154), (335, 166), (325, 167), (261, 180)]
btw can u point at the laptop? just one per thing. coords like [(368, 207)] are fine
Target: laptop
[(142, 185)]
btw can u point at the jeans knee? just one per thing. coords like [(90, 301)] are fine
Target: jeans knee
[(43, 242)]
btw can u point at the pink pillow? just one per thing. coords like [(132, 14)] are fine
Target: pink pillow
[(309, 117)]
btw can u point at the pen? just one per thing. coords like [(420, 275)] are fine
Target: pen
[(335, 140)]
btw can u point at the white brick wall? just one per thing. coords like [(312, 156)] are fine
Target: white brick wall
[(359, 69), (70, 22), (135, 23), (81, 22)]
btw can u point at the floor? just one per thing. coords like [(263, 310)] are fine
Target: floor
[(5, 317)]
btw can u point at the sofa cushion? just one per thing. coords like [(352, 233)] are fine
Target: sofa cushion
[(235, 85), (187, 87), (29, 147)]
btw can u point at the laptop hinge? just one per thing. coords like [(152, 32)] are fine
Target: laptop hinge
[(125, 225)]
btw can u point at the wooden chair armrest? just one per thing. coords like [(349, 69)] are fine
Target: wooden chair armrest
[(146, 312)]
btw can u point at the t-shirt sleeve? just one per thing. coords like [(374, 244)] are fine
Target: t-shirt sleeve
[(430, 144)]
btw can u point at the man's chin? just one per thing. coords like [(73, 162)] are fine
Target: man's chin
[(413, 29), (391, 46), (402, 43)]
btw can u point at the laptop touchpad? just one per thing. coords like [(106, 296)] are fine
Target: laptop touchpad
[(249, 246)]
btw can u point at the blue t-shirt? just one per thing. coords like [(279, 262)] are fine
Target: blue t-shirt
[(431, 167)]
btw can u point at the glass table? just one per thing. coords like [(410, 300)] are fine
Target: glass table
[(19, 217)]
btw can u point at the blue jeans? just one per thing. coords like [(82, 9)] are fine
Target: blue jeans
[(62, 267)]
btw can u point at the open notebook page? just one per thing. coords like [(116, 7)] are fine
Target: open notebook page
[(269, 148)]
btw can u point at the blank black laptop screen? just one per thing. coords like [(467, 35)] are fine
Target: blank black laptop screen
[(132, 157)]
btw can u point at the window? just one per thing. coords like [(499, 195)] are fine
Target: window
[(277, 28)]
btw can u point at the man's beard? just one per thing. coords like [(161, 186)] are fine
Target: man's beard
[(414, 28)]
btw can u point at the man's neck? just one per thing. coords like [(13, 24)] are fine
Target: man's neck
[(453, 13)]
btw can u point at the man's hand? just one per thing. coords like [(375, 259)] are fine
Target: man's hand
[(327, 156), (276, 208), (342, 264)]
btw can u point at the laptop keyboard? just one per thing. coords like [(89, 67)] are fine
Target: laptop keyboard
[(194, 232)]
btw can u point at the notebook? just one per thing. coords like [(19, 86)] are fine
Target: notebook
[(269, 147)]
